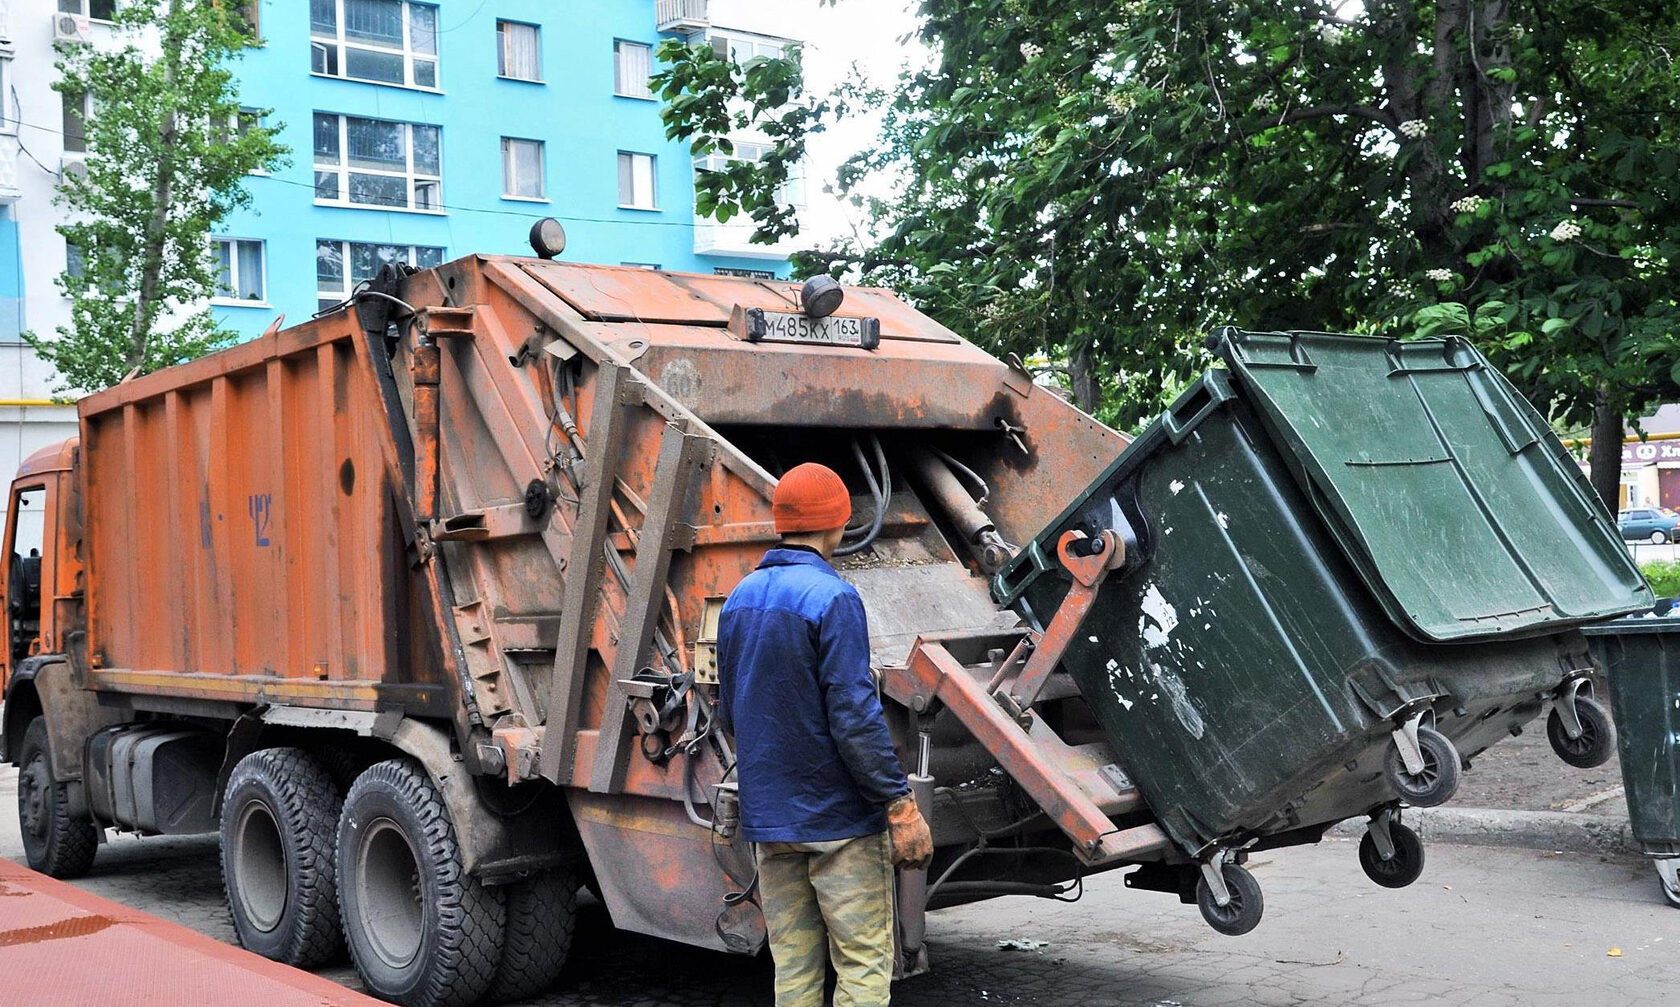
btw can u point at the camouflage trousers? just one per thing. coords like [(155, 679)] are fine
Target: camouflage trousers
[(827, 902)]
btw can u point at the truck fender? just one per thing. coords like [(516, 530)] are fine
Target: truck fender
[(496, 846), (43, 686)]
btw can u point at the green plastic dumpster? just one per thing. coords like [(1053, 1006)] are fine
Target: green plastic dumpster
[(1641, 660), (1351, 563)]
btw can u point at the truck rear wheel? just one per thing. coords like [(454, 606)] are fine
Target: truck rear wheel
[(541, 915), (279, 820), (421, 930), (55, 842)]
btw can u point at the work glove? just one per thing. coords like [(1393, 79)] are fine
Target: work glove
[(912, 840)]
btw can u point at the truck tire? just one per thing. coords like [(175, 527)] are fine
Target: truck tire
[(421, 930), (279, 824), (541, 915), (55, 842)]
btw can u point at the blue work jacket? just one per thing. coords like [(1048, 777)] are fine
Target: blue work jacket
[(815, 761)]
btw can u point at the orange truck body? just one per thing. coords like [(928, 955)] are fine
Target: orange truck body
[(468, 529)]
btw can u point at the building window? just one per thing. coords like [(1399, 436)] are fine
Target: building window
[(374, 162), (632, 66), (241, 275), (76, 115), (518, 51), (249, 18), (341, 265), (522, 168), (635, 182), (74, 263), (745, 274), (237, 125), (99, 10), (641, 265), (791, 192), (745, 48), (382, 41)]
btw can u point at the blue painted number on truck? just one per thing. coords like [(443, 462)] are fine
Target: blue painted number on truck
[(260, 506)]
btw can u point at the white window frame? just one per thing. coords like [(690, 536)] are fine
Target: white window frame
[(234, 260), (646, 93), (502, 60), (791, 193), (734, 39), (83, 7), (337, 43), (325, 297), (413, 178), (86, 117), (255, 117), (653, 180), (541, 195)]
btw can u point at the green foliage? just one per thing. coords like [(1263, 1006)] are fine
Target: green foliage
[(1101, 182), (1664, 577), (709, 97), (164, 167)]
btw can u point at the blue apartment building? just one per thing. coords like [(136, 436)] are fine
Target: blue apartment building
[(427, 131)]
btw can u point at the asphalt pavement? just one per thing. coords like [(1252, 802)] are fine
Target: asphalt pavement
[(1485, 925)]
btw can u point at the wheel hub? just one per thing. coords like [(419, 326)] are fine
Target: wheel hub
[(33, 783), (388, 890)]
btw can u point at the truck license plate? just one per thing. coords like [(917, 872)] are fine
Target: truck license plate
[(759, 325)]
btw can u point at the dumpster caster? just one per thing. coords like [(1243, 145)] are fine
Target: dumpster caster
[(1229, 897), (1390, 853), (1422, 766), (1579, 730), (1668, 871)]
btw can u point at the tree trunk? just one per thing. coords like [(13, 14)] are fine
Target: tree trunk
[(163, 192), (1082, 375), (1606, 464)]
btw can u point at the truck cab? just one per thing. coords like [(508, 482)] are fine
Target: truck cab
[(38, 575)]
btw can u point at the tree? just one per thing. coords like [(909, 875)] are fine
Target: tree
[(1104, 181), (167, 154), (709, 97)]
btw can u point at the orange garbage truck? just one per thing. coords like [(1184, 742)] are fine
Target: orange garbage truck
[(416, 604)]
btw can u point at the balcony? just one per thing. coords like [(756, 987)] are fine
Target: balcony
[(682, 15), (734, 240)]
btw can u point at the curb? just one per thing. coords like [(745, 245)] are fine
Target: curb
[(1559, 831)]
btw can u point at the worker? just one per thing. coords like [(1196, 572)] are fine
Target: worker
[(821, 789)]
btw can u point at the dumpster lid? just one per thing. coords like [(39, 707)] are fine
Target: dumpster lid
[(1450, 495)]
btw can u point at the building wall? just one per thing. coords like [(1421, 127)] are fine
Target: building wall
[(574, 112)]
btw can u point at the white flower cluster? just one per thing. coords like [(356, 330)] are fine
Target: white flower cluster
[(1030, 51), (1414, 129), (1120, 103), (1112, 30), (1439, 275), (1469, 204), (1264, 103), (1567, 230), (1332, 34)]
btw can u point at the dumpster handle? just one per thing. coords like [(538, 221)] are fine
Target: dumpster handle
[(1011, 583), (1199, 401)]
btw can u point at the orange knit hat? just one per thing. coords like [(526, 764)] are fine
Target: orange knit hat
[(810, 497)]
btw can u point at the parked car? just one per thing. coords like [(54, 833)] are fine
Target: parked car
[(1649, 524)]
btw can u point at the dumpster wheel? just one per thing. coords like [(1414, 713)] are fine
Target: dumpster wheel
[(1433, 779), (1404, 861), (1241, 912), (1594, 738)]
